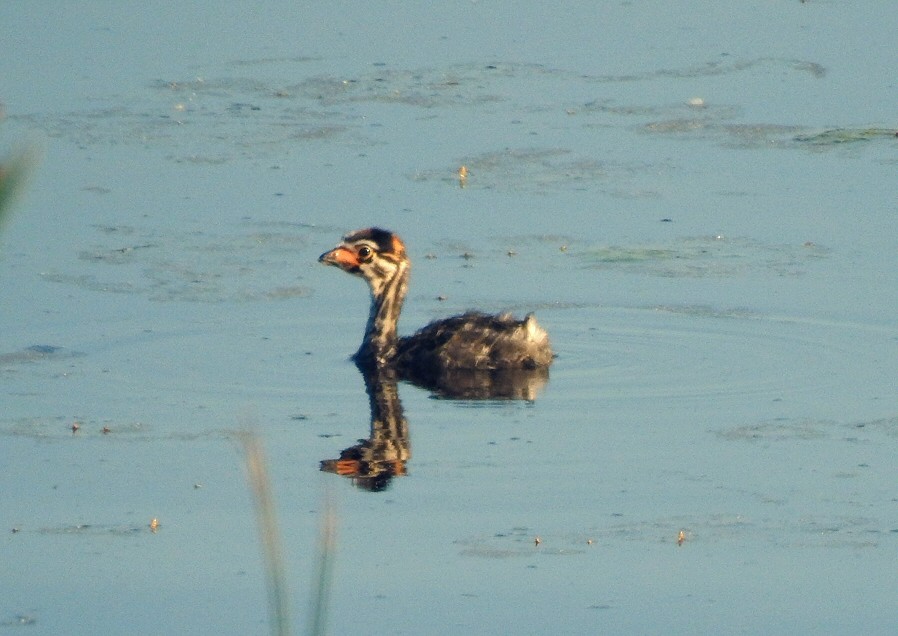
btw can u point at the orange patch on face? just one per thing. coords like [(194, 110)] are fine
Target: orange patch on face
[(342, 257), (398, 247)]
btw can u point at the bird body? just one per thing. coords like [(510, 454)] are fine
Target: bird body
[(470, 341)]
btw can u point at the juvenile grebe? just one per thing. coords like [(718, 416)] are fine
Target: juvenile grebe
[(473, 340)]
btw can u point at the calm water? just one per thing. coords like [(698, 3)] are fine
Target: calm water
[(698, 201)]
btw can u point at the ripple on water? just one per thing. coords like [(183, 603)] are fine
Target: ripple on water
[(698, 354)]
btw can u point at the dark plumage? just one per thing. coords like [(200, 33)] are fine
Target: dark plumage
[(470, 341)]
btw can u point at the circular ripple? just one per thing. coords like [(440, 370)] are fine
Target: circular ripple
[(702, 354)]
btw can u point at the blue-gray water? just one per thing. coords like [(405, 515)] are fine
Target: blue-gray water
[(697, 199)]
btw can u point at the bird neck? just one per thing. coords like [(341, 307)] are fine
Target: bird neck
[(387, 296)]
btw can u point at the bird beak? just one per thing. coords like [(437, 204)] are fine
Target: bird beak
[(341, 257)]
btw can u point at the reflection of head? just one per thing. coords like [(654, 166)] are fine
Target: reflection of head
[(372, 475), (373, 462)]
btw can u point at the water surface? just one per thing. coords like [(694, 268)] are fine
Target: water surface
[(697, 202)]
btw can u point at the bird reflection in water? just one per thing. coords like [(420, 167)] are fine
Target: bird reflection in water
[(374, 462)]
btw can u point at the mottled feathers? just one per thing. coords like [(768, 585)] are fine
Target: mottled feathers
[(472, 341)]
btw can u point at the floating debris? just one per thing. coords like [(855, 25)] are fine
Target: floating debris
[(844, 135)]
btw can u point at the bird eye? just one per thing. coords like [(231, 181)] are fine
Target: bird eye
[(364, 253)]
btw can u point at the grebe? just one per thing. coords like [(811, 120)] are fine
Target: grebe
[(470, 341)]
